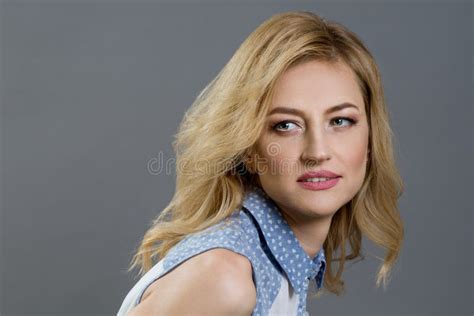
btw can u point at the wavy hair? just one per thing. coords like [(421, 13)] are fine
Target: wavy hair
[(224, 122)]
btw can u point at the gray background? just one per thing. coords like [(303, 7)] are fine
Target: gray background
[(93, 91)]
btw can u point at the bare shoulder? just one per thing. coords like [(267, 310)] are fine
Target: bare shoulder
[(217, 281)]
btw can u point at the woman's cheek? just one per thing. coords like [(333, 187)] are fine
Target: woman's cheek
[(356, 158)]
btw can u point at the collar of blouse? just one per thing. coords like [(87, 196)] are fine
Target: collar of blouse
[(282, 242)]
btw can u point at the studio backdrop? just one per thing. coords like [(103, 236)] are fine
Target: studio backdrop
[(93, 91)]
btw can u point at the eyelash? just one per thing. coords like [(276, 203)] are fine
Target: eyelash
[(352, 122)]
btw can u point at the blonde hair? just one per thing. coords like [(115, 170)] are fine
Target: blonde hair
[(224, 122)]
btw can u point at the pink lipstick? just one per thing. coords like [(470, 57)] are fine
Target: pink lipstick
[(319, 180)]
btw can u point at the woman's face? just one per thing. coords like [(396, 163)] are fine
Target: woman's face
[(317, 115)]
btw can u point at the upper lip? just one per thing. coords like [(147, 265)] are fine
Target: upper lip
[(318, 174)]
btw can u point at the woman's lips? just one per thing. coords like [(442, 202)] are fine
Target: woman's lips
[(318, 174), (316, 186)]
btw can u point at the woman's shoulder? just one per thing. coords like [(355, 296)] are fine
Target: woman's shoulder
[(228, 243), (234, 233), (216, 258)]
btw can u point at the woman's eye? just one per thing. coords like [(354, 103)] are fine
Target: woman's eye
[(339, 120), (283, 126)]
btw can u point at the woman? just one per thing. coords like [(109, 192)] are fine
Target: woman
[(283, 158)]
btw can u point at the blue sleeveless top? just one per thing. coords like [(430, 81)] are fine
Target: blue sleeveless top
[(281, 269)]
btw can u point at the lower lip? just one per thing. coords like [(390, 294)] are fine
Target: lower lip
[(323, 185)]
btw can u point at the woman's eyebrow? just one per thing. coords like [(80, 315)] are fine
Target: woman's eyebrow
[(288, 110)]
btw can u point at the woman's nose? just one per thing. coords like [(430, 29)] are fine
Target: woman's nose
[(316, 147)]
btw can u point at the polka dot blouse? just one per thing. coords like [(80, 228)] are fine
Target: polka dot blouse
[(281, 268)]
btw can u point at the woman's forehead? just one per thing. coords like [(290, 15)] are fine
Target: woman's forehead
[(317, 86)]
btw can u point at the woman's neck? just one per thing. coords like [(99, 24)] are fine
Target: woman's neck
[(311, 233)]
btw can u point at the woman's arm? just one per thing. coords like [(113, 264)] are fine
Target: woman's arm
[(215, 282)]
